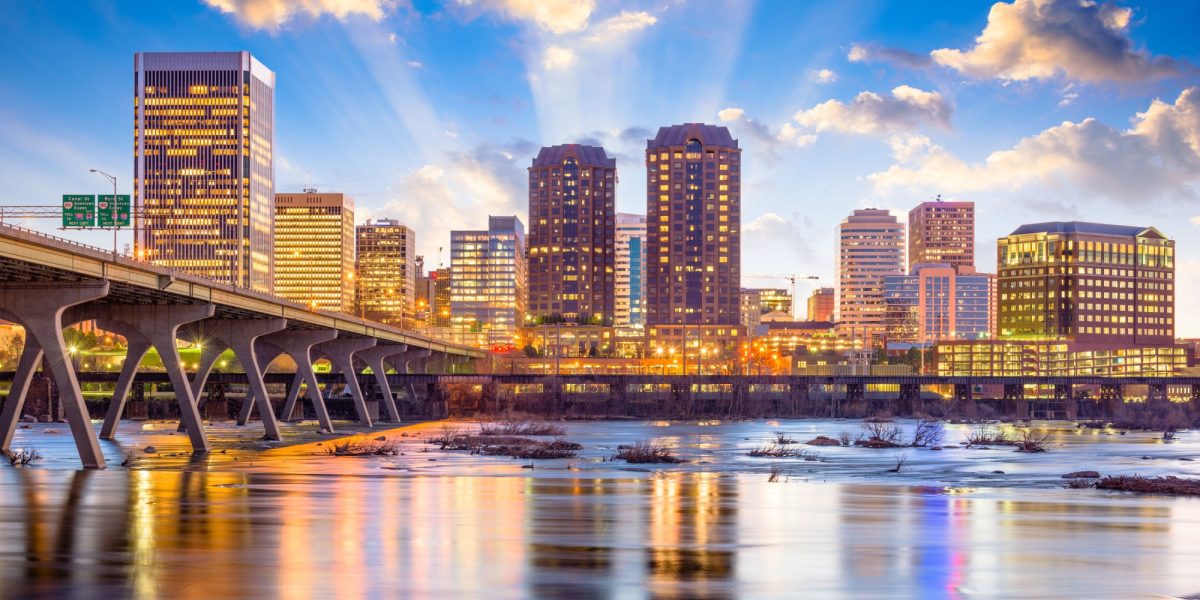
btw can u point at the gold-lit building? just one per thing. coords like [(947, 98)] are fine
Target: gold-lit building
[(204, 187), (1012, 358), (385, 271), (314, 249)]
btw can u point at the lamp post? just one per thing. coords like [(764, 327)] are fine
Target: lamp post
[(116, 227)]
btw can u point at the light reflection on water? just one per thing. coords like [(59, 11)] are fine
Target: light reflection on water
[(197, 534)]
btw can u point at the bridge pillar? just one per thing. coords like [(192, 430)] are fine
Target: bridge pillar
[(340, 353), (855, 392), (1112, 395), (1157, 391), (39, 308), (298, 344), (412, 361), (31, 355), (374, 358), (962, 391), (910, 395)]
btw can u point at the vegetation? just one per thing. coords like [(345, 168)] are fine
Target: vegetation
[(645, 452), (23, 456), (1151, 485), (774, 450), (521, 427), (879, 434), (1025, 439), (928, 432), (782, 439), (362, 447)]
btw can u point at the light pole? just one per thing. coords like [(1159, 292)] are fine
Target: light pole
[(116, 226)]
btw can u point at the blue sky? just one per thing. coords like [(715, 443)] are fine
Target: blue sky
[(430, 112)]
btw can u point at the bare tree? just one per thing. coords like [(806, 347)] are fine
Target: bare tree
[(928, 432)]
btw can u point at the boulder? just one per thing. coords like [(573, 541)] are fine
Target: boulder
[(822, 440)]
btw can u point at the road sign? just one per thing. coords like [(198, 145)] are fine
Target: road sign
[(104, 211), (79, 210)]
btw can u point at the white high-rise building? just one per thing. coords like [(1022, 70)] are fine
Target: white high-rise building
[(630, 269)]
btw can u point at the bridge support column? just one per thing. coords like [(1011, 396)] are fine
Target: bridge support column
[(410, 362), (340, 352), (31, 355), (910, 396), (1112, 395), (962, 391), (39, 308), (855, 392), (374, 358), (241, 335), (1157, 391), (298, 344)]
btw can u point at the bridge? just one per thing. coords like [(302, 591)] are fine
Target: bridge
[(48, 283)]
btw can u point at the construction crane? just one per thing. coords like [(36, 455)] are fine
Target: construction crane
[(791, 278)]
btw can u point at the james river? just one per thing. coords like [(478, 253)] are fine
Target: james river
[(279, 519)]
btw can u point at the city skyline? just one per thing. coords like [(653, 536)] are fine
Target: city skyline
[(982, 123)]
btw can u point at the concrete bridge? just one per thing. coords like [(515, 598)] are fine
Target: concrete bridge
[(48, 283)]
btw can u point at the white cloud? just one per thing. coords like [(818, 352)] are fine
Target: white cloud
[(1159, 156), (730, 114), (824, 76), (272, 14), (869, 113), (793, 135), (1042, 39), (870, 53), (624, 23), (760, 134), (557, 57), (555, 16), (416, 64)]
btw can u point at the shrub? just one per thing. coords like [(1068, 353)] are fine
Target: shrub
[(521, 427), (358, 447), (880, 434), (1148, 485), (1032, 441), (928, 432), (646, 452), (23, 456), (777, 451), (782, 439)]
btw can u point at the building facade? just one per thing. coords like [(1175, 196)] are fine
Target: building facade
[(942, 232), (314, 249), (572, 237), (386, 271), (1089, 283), (630, 270), (441, 296), (693, 215), (821, 305), (870, 247), (204, 170), (935, 303), (1016, 358), (488, 283)]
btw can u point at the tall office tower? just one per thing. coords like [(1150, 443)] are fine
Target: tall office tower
[(1101, 285), (631, 269), (314, 249), (488, 278), (821, 305), (693, 215), (870, 247), (934, 303), (572, 211), (204, 170), (942, 232), (441, 296), (386, 271)]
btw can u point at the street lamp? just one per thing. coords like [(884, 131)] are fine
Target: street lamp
[(116, 227)]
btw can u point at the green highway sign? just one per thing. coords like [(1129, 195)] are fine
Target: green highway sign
[(78, 210), (104, 211)]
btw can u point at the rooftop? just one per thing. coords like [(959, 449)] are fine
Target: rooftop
[(678, 135), (1068, 227), (586, 155)]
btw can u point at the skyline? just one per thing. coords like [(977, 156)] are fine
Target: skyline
[(456, 129)]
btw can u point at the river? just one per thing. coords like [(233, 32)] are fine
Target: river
[(282, 519)]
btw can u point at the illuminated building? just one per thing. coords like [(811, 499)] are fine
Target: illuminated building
[(631, 270), (487, 283), (750, 308), (571, 244), (1014, 358), (693, 216), (788, 337), (870, 247), (441, 296), (314, 249), (942, 232), (204, 174), (756, 302), (386, 271), (1101, 285), (936, 303), (821, 305)]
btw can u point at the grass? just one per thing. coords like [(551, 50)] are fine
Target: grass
[(521, 427), (646, 453), (362, 447)]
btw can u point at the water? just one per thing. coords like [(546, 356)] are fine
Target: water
[(284, 520)]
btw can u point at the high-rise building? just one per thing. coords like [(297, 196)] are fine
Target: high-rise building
[(441, 296), (488, 283), (572, 219), (1094, 284), (935, 303), (204, 170), (870, 247), (942, 232), (386, 271), (821, 305), (631, 269), (314, 249), (693, 215)]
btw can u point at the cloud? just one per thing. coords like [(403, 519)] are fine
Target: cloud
[(1042, 39), (730, 114), (905, 109), (824, 76), (760, 134), (272, 14), (554, 16), (624, 23), (557, 57), (416, 64), (766, 233), (1159, 156), (872, 53)]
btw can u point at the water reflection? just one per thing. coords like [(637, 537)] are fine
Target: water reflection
[(198, 534)]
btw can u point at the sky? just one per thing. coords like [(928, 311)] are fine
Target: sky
[(431, 112)]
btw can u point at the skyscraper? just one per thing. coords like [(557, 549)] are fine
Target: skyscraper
[(488, 283), (693, 214), (631, 269), (870, 247), (942, 232), (204, 170), (386, 271), (441, 296), (572, 196), (314, 249)]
